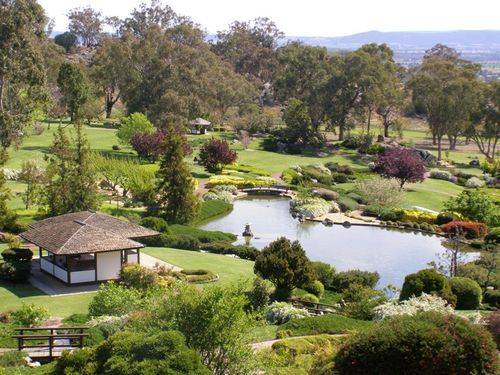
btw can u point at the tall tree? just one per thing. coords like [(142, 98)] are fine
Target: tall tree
[(176, 201), (109, 69), (301, 73), (86, 24), (71, 186), (447, 90), (250, 47), (299, 126), (74, 88), (22, 75), (484, 128)]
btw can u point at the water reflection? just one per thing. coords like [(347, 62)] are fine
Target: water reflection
[(394, 254)]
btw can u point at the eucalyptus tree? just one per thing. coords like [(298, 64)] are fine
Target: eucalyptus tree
[(86, 24), (447, 90), (301, 73), (250, 47), (22, 73)]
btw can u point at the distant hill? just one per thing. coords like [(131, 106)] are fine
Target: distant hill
[(412, 40)]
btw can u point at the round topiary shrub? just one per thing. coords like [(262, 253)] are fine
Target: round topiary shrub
[(424, 281), (156, 223), (492, 297), (314, 287), (468, 293), (427, 343)]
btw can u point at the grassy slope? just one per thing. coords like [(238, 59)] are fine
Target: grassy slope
[(229, 269)]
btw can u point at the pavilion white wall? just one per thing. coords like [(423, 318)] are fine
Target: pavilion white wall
[(108, 265), (60, 273), (82, 276), (46, 266)]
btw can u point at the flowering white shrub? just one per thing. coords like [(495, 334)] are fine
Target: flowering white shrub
[(11, 174), (227, 188), (313, 206), (412, 306), (224, 196), (441, 175), (474, 182), (109, 325), (282, 312)]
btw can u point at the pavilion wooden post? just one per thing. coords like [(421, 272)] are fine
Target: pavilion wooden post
[(95, 265)]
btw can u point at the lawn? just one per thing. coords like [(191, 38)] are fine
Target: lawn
[(12, 297), (230, 270)]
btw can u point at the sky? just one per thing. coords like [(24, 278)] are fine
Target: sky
[(313, 17)]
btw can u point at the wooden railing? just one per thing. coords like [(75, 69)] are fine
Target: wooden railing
[(45, 344)]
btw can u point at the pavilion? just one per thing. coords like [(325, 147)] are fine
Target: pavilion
[(199, 126), (86, 246)]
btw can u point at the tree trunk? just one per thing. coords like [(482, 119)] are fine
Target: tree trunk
[(341, 132), (434, 142), (453, 142), (439, 138), (386, 128), (109, 108), (369, 120)]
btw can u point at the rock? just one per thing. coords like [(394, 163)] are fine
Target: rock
[(34, 364), (426, 156), (381, 138)]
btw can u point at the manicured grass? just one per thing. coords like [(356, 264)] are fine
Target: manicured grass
[(328, 323), (431, 193), (12, 297), (230, 270), (210, 210)]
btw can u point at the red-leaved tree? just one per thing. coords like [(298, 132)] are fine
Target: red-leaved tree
[(402, 164), (150, 145), (215, 153)]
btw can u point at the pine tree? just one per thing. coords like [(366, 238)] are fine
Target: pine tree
[(71, 186), (176, 199)]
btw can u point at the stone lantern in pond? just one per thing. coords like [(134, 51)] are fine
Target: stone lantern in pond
[(247, 234)]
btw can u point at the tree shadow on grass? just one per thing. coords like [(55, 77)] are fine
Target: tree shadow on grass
[(22, 290)]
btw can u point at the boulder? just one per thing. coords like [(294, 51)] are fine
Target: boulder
[(426, 156)]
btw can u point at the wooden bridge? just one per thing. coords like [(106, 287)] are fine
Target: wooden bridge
[(46, 343), (274, 190)]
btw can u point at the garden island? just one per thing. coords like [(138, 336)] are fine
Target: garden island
[(246, 204)]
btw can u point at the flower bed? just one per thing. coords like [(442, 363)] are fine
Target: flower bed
[(418, 216)]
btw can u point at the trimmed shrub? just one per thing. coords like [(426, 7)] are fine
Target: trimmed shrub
[(156, 223), (17, 265), (347, 204), (444, 218), (440, 175), (427, 281), (474, 183), (328, 323), (242, 251), (470, 229), (358, 198), (176, 241), (204, 236), (314, 287), (419, 216), (343, 280), (427, 343), (309, 297), (468, 293), (492, 297), (326, 194)]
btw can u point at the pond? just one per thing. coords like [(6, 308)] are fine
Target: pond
[(394, 254)]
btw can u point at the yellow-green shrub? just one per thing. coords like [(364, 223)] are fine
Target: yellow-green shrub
[(419, 216), (240, 182)]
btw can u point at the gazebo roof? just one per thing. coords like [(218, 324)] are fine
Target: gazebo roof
[(200, 122), (85, 232)]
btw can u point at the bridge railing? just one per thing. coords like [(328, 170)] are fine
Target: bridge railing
[(48, 340)]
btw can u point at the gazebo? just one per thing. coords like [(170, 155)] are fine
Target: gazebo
[(86, 246), (199, 126)]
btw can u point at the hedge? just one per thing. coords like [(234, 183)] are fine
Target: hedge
[(424, 281), (427, 343), (468, 293), (328, 323), (175, 241), (212, 208), (243, 252), (492, 297), (204, 236)]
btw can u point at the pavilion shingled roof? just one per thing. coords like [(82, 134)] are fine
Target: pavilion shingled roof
[(85, 232)]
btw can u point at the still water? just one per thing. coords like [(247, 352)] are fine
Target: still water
[(394, 254)]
